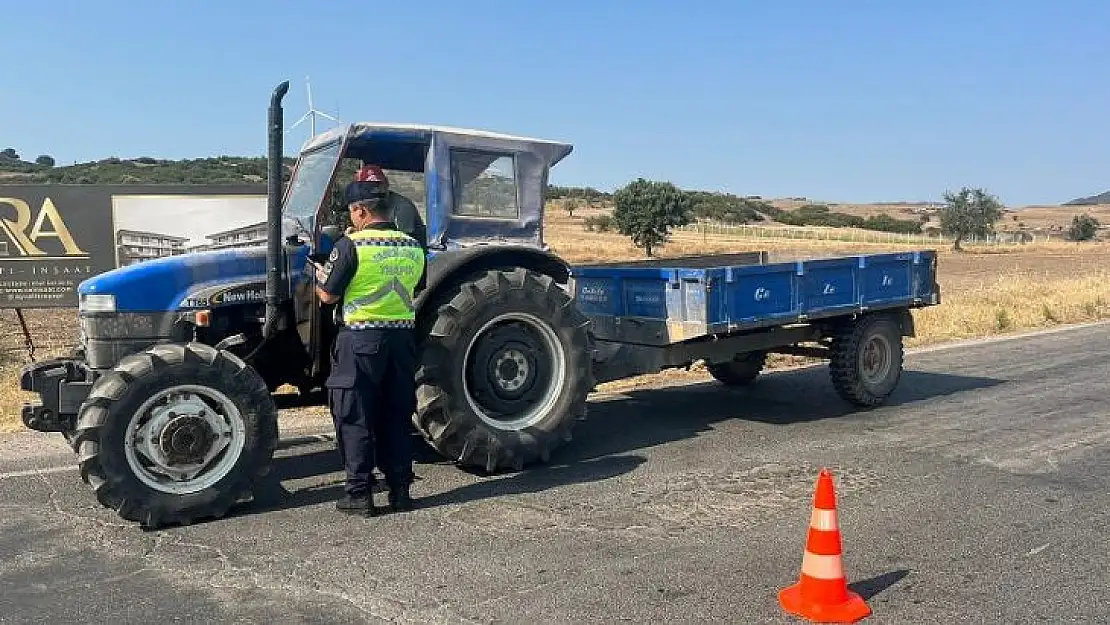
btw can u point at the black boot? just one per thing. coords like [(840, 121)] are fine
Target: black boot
[(361, 504), (399, 499)]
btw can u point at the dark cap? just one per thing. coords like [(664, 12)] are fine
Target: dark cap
[(358, 191)]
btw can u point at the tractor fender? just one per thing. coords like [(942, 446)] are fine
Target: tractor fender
[(447, 268)]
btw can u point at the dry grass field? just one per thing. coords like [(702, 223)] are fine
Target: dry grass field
[(1033, 216), (985, 290)]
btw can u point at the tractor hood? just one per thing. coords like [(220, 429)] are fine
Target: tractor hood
[(183, 282)]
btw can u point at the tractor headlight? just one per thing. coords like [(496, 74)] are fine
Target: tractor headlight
[(97, 303)]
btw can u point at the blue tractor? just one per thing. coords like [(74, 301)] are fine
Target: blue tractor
[(168, 402)]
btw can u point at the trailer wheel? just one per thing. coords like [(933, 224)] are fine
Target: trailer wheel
[(866, 361), (504, 371), (175, 434), (740, 371)]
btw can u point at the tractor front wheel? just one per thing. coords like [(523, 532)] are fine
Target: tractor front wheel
[(176, 433)]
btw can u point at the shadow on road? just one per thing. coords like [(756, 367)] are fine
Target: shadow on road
[(298, 466), (658, 416), (868, 588), (603, 445)]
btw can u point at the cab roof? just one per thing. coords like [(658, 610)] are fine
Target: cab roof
[(364, 134)]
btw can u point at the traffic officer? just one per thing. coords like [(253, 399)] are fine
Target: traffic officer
[(373, 271)]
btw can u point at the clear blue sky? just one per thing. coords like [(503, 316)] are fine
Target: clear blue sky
[(841, 101)]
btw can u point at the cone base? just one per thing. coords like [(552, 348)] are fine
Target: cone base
[(852, 610)]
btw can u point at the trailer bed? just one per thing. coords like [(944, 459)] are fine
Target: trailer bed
[(667, 301)]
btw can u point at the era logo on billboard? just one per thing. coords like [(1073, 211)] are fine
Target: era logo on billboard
[(25, 232)]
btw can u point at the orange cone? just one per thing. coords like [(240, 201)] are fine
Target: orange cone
[(822, 593)]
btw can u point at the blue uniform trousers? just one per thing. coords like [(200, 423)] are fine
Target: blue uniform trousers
[(372, 396)]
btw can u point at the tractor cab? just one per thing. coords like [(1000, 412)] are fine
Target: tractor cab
[(451, 187)]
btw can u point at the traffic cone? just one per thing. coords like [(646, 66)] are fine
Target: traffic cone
[(822, 593)]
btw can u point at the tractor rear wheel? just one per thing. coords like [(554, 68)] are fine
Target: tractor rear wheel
[(176, 433), (504, 371)]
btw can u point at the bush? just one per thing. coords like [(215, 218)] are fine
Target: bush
[(599, 223), (886, 223), (580, 193), (1002, 321), (723, 207), (1083, 228)]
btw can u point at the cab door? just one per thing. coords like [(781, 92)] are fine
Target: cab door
[(316, 325)]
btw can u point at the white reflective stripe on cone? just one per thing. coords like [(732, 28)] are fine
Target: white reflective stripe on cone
[(822, 567), (824, 520)]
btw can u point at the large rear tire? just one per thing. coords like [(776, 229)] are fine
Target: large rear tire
[(175, 434), (504, 371), (866, 360)]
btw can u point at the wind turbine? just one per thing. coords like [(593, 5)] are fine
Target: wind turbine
[(312, 112)]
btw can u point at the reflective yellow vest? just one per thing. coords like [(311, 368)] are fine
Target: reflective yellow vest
[(381, 293)]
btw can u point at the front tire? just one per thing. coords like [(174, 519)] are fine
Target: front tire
[(866, 360), (504, 372), (175, 434)]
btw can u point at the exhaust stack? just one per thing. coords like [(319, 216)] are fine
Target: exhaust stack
[(275, 294)]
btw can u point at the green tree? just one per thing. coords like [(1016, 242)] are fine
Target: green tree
[(1083, 228), (45, 160), (10, 154), (647, 210), (969, 212)]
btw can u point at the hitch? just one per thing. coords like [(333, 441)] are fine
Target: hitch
[(62, 386)]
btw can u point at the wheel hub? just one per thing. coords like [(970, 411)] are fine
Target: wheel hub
[(177, 439), (512, 370), (186, 439), (874, 362), (515, 367)]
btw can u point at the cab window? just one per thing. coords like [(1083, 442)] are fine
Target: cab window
[(484, 184)]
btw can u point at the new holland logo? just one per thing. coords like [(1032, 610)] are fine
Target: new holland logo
[(24, 235)]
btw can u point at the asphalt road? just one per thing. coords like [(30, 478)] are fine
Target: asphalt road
[(978, 495)]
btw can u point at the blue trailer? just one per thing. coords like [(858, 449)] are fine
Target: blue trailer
[(731, 310), (168, 400)]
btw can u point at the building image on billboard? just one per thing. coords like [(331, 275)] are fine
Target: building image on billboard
[(136, 246), (253, 235)]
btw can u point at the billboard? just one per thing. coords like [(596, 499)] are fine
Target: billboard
[(54, 236)]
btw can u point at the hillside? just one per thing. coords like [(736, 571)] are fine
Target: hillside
[(142, 170), (1101, 198)]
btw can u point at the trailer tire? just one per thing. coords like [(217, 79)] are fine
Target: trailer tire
[(111, 434), (866, 360), (511, 341), (740, 371)]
